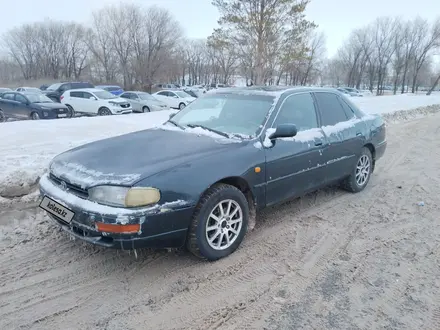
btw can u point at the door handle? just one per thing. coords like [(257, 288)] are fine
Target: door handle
[(358, 134), (318, 143)]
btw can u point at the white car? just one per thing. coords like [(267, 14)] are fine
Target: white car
[(174, 99), (94, 101), (144, 102), (28, 89)]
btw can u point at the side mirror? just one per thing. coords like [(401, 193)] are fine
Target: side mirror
[(284, 131)]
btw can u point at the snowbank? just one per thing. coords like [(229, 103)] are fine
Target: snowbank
[(27, 147)]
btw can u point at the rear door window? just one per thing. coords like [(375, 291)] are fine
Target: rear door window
[(76, 94), (330, 108)]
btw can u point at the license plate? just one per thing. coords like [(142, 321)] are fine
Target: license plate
[(57, 209), (62, 115)]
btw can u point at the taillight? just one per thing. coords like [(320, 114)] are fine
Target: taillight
[(61, 97)]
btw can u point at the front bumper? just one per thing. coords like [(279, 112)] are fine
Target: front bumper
[(162, 226), (116, 110)]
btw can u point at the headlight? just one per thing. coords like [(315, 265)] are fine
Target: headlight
[(123, 196), (113, 103)]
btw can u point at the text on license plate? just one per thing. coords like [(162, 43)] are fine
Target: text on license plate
[(57, 209), (62, 115)]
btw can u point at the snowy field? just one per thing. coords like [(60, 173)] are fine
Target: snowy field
[(27, 147)]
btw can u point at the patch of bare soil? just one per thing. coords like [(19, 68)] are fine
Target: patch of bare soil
[(330, 260)]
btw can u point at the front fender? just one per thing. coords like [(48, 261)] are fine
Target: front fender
[(189, 181)]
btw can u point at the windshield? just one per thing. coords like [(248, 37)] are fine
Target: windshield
[(54, 87), (229, 113), (146, 96), (38, 98), (182, 94), (104, 95)]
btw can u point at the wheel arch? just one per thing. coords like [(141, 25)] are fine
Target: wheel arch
[(370, 147)]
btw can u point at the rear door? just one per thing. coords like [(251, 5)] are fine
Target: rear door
[(344, 133), (294, 165)]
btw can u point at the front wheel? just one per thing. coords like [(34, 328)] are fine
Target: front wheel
[(104, 112), (71, 111), (2, 117), (360, 176), (219, 223), (35, 116), (145, 109), (181, 106)]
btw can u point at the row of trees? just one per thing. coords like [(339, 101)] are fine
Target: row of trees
[(390, 51), (264, 41)]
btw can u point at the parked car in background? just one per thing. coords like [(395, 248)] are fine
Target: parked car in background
[(228, 155), (44, 87), (4, 89), (115, 90), (166, 86), (55, 91), (343, 91), (144, 102), (174, 99), (27, 105), (28, 89), (190, 92), (353, 91), (94, 101)]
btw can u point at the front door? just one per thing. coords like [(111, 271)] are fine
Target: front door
[(294, 165)]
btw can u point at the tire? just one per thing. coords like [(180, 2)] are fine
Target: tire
[(145, 109), (35, 116), (104, 112), (71, 111), (2, 117), (182, 106), (197, 242), (364, 164)]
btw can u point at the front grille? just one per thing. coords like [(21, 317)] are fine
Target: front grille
[(125, 105), (74, 189)]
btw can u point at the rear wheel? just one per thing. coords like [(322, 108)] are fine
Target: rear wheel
[(145, 109), (2, 117), (360, 176), (181, 106), (219, 223), (35, 116), (104, 112)]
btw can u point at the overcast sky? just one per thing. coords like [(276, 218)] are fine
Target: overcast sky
[(198, 17)]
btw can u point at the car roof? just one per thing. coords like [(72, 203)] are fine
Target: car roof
[(275, 91), (108, 86), (85, 90)]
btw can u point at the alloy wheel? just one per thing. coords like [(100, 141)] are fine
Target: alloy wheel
[(224, 224), (363, 168)]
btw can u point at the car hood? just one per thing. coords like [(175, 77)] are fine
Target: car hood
[(126, 159), (50, 105), (119, 100)]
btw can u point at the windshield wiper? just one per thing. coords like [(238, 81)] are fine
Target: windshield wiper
[(175, 124), (210, 129)]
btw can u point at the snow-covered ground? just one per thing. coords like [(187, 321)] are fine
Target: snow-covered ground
[(27, 147)]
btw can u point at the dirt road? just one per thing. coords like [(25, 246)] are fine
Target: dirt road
[(329, 260)]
